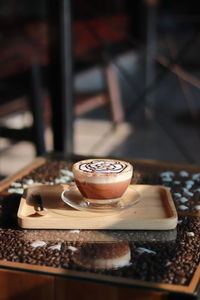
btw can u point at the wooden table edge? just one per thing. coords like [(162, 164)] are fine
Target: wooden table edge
[(22, 172), (188, 289)]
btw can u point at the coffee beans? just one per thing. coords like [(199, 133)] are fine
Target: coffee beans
[(169, 262), (183, 185), (172, 261)]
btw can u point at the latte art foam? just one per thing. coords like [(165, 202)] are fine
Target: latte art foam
[(102, 171), (103, 166)]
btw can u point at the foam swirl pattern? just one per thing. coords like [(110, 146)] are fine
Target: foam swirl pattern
[(102, 171)]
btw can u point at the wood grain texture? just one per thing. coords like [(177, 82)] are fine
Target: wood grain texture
[(154, 211), (21, 285), (79, 289)]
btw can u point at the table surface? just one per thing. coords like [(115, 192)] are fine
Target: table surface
[(166, 260)]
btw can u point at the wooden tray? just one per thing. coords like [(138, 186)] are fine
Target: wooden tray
[(154, 211)]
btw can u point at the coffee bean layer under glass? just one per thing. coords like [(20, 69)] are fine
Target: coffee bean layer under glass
[(102, 181)]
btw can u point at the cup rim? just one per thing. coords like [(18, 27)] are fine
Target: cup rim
[(130, 170)]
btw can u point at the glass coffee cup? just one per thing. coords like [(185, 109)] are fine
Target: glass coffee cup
[(102, 181)]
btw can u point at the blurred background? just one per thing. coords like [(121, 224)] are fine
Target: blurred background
[(136, 80)]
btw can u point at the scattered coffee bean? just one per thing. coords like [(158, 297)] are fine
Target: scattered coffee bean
[(177, 195), (187, 193), (166, 179), (190, 233), (55, 247), (74, 231), (15, 190), (145, 250), (167, 174), (16, 184), (183, 207), (196, 177), (176, 182), (38, 244), (183, 200), (197, 207), (189, 183), (73, 249), (183, 173)]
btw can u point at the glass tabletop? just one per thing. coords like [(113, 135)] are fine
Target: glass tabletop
[(168, 257)]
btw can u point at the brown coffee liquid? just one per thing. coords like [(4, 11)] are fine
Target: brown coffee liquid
[(102, 190)]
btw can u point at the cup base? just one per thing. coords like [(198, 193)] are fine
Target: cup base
[(73, 198), (102, 202)]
